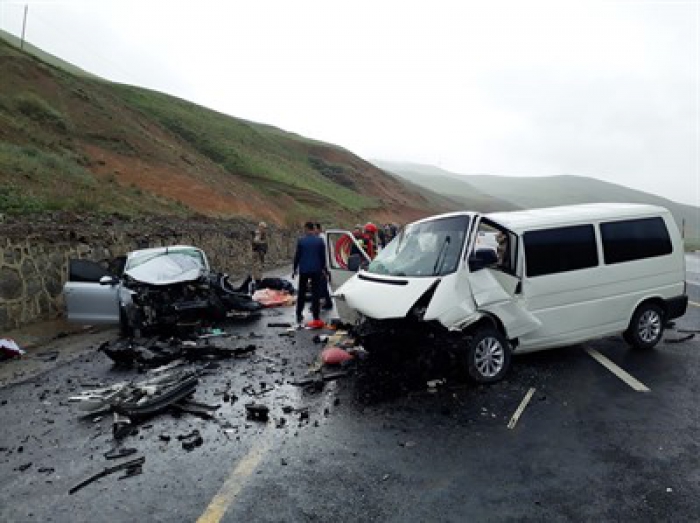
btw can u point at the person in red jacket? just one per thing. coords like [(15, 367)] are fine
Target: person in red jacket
[(369, 238)]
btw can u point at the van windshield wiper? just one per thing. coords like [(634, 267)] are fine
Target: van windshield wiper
[(442, 256)]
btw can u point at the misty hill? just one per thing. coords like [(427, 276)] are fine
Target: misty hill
[(464, 194), (546, 191), (71, 141)]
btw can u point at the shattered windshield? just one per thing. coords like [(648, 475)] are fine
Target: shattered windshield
[(424, 249), (144, 257)]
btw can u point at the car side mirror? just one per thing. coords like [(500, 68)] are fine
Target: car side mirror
[(109, 280), (482, 258)]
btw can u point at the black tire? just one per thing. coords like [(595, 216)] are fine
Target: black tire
[(488, 355), (646, 327)]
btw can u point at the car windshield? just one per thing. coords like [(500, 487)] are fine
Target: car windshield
[(430, 248), (141, 258)]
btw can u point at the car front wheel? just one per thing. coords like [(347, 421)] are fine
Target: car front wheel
[(646, 327), (488, 355)]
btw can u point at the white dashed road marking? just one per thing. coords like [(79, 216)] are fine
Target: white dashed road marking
[(617, 371), (521, 408)]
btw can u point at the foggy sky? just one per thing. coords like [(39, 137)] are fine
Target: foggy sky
[(592, 88)]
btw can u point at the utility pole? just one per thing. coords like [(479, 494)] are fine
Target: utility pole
[(24, 25)]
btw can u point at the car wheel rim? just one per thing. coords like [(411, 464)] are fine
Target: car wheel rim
[(489, 357), (649, 326)]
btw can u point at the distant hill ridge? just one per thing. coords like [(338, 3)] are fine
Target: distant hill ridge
[(547, 191)]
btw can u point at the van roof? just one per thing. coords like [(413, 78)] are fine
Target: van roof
[(519, 221)]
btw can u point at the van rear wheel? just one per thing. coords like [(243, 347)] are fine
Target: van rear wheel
[(646, 327), (488, 355)]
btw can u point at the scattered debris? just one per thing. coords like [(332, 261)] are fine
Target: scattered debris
[(128, 466), (9, 348), (434, 384), (191, 441), (335, 356), (24, 467), (121, 427), (273, 298), (157, 353), (198, 409), (680, 340), (46, 470), (315, 380), (257, 412), (117, 453)]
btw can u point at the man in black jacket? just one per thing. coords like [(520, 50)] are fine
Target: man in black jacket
[(310, 264)]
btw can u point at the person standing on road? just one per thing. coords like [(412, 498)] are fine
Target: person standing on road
[(324, 293), (309, 263), (259, 246)]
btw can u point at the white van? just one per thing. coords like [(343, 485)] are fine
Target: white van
[(550, 277)]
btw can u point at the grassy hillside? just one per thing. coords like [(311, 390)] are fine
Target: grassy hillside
[(69, 141), (533, 192)]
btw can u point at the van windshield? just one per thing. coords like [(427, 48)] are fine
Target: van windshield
[(430, 248)]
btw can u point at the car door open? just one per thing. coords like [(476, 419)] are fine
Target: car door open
[(345, 257), (87, 299)]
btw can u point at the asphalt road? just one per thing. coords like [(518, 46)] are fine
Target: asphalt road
[(377, 446)]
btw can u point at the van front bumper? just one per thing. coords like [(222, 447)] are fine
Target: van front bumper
[(676, 307)]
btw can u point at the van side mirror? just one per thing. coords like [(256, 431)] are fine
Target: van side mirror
[(354, 262), (482, 258)]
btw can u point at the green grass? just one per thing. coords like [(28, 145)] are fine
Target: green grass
[(35, 180), (36, 108), (254, 151)]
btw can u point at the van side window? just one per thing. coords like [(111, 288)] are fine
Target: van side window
[(629, 240), (551, 251)]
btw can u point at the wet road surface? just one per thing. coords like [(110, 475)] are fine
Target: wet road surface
[(376, 446)]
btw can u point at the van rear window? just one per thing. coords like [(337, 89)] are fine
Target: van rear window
[(635, 240), (563, 249)]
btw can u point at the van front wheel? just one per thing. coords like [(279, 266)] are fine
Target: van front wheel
[(646, 327), (488, 355)]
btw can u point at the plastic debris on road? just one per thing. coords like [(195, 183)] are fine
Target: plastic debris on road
[(10, 349)]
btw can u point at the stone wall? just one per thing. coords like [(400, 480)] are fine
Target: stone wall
[(34, 253)]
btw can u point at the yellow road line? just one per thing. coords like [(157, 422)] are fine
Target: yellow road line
[(235, 482), (694, 304), (617, 371), (521, 408)]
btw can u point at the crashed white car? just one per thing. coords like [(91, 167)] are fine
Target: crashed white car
[(484, 286), (158, 287)]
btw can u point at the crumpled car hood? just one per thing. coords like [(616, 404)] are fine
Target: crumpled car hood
[(167, 269)]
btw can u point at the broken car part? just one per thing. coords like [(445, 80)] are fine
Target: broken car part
[(134, 463), (257, 412)]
